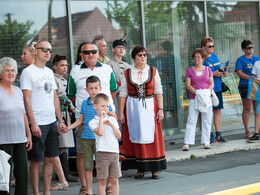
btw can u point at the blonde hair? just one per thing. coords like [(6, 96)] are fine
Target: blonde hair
[(31, 47)]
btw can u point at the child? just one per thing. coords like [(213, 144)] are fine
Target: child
[(66, 140), (107, 132), (87, 113)]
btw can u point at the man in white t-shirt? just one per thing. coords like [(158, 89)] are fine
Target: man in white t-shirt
[(255, 137), (41, 104)]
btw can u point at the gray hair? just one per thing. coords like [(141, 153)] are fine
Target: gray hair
[(7, 61), (88, 43)]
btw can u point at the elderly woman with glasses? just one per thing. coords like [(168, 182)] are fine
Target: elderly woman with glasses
[(15, 136), (141, 115)]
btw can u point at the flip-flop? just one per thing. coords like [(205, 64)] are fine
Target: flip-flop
[(59, 186)]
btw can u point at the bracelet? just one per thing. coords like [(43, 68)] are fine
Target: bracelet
[(61, 121), (160, 108)]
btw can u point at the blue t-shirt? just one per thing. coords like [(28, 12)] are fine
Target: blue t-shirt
[(214, 64), (246, 65), (89, 112)]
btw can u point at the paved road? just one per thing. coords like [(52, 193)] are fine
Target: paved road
[(196, 176)]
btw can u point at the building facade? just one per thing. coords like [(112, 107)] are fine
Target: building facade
[(170, 30)]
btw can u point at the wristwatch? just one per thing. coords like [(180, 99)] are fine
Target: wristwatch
[(160, 108), (61, 121)]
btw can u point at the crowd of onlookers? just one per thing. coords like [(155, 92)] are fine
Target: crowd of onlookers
[(118, 110)]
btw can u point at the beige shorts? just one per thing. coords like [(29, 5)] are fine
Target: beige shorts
[(79, 141), (107, 165)]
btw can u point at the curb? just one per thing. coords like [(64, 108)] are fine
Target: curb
[(219, 148)]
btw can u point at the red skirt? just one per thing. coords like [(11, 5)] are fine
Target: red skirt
[(143, 157)]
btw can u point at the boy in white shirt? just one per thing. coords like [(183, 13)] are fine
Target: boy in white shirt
[(107, 133)]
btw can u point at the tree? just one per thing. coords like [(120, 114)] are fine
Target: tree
[(14, 36)]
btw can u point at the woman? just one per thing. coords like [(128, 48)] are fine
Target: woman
[(199, 77), (28, 56), (212, 61), (243, 68), (141, 115), (15, 134)]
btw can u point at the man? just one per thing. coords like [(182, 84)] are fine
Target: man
[(118, 66), (77, 85), (102, 49), (244, 66), (41, 104)]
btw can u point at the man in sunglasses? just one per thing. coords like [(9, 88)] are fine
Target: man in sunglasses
[(42, 104), (118, 66), (102, 49), (212, 61), (244, 66), (76, 88)]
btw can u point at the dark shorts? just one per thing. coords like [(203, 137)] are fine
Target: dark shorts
[(220, 99), (243, 91), (47, 145)]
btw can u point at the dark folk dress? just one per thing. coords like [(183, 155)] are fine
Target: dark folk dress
[(143, 157)]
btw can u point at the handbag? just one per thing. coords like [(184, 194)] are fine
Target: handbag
[(223, 84), (224, 87)]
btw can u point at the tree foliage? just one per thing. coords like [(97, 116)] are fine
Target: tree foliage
[(14, 36)]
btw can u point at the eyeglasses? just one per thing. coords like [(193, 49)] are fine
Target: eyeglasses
[(87, 52), (211, 46), (44, 49), (120, 47), (250, 47), (142, 54)]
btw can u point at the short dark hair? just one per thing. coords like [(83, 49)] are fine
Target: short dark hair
[(92, 79), (101, 96), (245, 43), (57, 58), (201, 51), (78, 52), (136, 50)]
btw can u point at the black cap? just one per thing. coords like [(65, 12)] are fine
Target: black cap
[(119, 42)]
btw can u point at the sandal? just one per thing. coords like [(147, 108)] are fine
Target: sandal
[(185, 147), (212, 138), (83, 190), (221, 139), (108, 190), (155, 175), (248, 135), (207, 146), (139, 175), (59, 186)]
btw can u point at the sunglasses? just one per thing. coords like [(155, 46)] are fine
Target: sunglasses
[(211, 46), (120, 47), (44, 49), (142, 54), (87, 52), (250, 47)]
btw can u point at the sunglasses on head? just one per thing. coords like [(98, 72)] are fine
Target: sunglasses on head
[(250, 47), (44, 49), (142, 54), (87, 52), (211, 46)]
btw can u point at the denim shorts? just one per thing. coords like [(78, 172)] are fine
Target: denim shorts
[(220, 99), (45, 146), (257, 107)]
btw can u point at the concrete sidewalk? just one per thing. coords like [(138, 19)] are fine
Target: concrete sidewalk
[(173, 153)]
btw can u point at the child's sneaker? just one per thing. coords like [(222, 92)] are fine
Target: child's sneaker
[(253, 139)]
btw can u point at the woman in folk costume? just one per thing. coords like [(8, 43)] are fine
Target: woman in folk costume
[(141, 115)]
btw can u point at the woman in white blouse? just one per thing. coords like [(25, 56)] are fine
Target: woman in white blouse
[(141, 115), (15, 136)]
